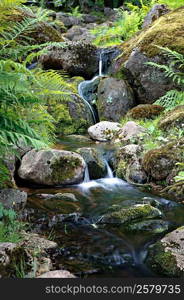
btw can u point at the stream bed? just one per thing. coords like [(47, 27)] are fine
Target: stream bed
[(88, 247)]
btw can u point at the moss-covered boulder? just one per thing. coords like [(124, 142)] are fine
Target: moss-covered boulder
[(95, 162), (166, 256), (153, 226), (150, 83), (160, 163), (173, 118), (133, 213), (115, 98), (52, 167), (145, 111)]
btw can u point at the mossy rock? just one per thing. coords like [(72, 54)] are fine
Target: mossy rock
[(167, 31), (160, 162), (145, 111), (173, 118), (52, 167), (133, 213), (153, 226), (166, 256)]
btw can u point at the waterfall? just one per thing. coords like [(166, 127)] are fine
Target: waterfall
[(81, 94), (86, 175), (109, 170), (100, 65)]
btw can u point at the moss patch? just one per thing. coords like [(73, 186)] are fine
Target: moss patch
[(167, 31), (145, 111), (174, 118)]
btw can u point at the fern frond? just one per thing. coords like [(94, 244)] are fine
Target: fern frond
[(171, 99)]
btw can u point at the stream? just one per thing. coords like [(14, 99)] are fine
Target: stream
[(88, 248)]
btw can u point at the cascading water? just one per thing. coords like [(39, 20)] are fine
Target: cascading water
[(88, 88)]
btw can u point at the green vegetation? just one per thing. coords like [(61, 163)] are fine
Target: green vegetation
[(173, 97), (10, 227)]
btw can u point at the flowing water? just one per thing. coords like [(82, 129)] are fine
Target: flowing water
[(87, 247)]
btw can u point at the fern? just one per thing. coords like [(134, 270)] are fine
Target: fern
[(174, 71)]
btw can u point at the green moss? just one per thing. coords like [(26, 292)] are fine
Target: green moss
[(173, 119), (121, 169), (164, 262), (145, 111), (167, 31), (64, 168)]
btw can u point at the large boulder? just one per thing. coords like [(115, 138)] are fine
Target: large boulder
[(115, 98), (103, 131), (95, 162), (76, 58), (167, 255), (150, 83), (52, 167), (13, 198), (79, 32)]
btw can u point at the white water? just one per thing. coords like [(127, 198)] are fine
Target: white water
[(109, 171), (100, 65)]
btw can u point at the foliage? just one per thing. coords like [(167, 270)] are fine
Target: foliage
[(180, 176), (175, 71), (122, 29), (10, 227), (173, 4)]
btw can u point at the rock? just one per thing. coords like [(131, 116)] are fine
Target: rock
[(95, 162), (59, 196), (79, 32), (33, 241), (150, 83), (68, 20), (57, 274), (173, 118), (5, 252), (135, 173), (145, 111), (13, 198), (156, 12), (167, 255), (52, 167), (130, 132), (153, 226), (133, 213), (115, 98), (103, 131), (61, 203), (161, 162), (76, 58)]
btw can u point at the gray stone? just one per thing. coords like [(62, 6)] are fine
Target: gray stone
[(57, 274), (104, 131), (115, 98), (13, 198), (52, 167), (130, 132)]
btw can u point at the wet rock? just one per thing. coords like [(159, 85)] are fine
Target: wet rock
[(115, 98), (156, 12), (95, 162), (167, 255), (133, 213), (145, 111), (153, 226), (130, 132), (59, 196), (173, 118), (103, 131), (52, 167), (13, 198), (77, 59), (135, 173), (57, 274)]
